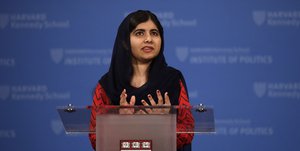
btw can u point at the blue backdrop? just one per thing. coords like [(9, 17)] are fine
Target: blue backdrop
[(240, 57)]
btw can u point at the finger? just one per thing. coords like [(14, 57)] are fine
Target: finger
[(140, 112), (167, 99), (123, 97), (159, 97), (144, 103), (151, 100), (132, 100), (146, 106)]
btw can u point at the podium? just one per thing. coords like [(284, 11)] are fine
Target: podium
[(136, 128)]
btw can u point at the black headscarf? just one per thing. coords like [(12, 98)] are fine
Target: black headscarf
[(161, 77)]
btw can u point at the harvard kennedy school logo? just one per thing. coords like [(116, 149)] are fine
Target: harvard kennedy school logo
[(4, 92), (182, 53), (135, 145), (4, 20), (57, 126), (57, 55), (259, 17), (260, 89)]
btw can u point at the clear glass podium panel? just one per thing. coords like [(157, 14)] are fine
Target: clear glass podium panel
[(77, 119)]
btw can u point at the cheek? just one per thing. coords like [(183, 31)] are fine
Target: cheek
[(159, 44), (134, 47), (135, 40), (133, 44)]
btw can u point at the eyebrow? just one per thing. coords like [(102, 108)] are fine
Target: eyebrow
[(139, 30), (154, 30), (145, 30)]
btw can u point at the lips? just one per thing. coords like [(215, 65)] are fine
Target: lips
[(147, 49)]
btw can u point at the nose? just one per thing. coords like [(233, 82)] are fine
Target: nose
[(148, 38)]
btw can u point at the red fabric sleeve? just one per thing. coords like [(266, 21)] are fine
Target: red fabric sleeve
[(185, 119), (100, 98)]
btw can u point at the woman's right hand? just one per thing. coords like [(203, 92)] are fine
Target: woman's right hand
[(123, 102)]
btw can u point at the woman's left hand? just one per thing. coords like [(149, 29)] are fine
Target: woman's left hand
[(161, 102)]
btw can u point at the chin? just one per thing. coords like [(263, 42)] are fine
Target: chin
[(150, 57), (147, 60)]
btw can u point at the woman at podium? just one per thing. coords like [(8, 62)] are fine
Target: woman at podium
[(140, 75)]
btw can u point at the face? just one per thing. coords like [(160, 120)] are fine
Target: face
[(145, 42)]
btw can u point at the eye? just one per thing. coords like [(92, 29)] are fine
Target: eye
[(139, 33), (155, 33)]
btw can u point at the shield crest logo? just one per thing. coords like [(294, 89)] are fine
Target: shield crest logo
[(4, 92), (259, 17), (260, 88), (182, 53), (4, 20), (57, 55), (57, 127)]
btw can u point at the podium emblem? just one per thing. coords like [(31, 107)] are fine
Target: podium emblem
[(135, 145)]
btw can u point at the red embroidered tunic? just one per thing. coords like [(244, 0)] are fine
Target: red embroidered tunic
[(184, 117)]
